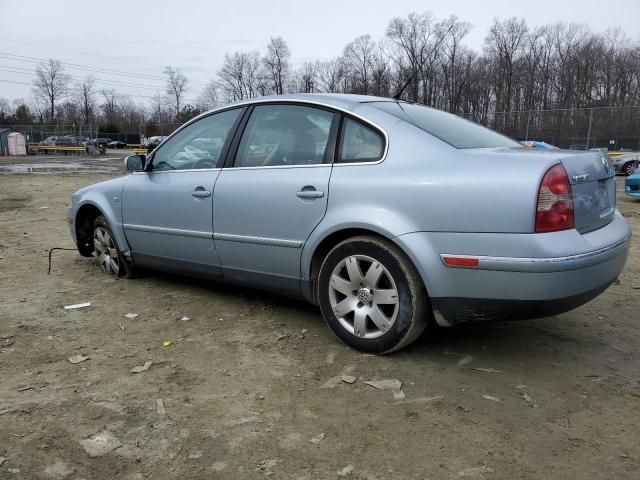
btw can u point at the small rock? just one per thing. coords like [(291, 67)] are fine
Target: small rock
[(348, 470), (196, 455), (624, 455), (348, 378), (132, 315), (100, 444), (77, 358), (303, 331), (13, 470), (142, 368), (317, 439), (282, 336), (184, 319)]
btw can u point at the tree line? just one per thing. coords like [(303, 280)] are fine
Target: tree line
[(519, 68)]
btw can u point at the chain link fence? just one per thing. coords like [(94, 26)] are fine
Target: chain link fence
[(615, 128)]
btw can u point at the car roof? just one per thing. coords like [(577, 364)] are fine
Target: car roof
[(340, 100)]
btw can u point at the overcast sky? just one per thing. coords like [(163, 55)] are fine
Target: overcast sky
[(142, 37)]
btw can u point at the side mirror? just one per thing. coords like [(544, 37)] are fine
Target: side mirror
[(135, 163)]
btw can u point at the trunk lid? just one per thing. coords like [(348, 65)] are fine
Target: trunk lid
[(593, 187)]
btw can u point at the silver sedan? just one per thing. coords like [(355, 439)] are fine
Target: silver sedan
[(388, 215)]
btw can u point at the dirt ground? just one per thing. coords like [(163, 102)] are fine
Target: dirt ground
[(241, 382)]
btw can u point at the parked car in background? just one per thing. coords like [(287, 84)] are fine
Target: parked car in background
[(387, 214), (117, 144), (578, 147), (537, 144), (98, 142), (627, 163), (632, 183)]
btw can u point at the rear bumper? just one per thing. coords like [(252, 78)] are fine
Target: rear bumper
[(540, 275)]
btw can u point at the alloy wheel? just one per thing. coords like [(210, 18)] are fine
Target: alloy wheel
[(363, 296), (105, 251)]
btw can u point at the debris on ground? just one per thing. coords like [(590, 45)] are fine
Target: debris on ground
[(420, 400), (77, 306), (491, 397), (249, 419), (282, 336), (78, 358), (2, 460), (184, 319), (487, 370), (348, 378), (389, 384), (348, 470), (266, 466), (333, 382), (303, 331), (13, 470), (160, 410), (464, 360), (317, 439), (24, 388), (100, 444), (131, 316), (142, 368), (167, 343), (121, 325), (195, 455)]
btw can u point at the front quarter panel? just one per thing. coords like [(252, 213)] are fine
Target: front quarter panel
[(106, 197)]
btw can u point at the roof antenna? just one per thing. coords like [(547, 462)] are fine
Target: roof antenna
[(399, 94)]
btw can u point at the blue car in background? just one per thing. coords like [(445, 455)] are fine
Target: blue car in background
[(632, 184), (537, 144)]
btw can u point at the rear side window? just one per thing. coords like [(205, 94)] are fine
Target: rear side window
[(454, 130), (359, 143)]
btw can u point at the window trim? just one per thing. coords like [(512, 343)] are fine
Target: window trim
[(327, 106), (329, 154), (223, 153), (340, 140)]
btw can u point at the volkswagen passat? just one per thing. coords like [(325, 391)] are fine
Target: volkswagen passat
[(386, 214)]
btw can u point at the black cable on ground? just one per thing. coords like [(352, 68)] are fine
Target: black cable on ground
[(58, 248)]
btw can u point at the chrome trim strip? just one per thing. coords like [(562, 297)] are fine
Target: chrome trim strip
[(275, 242), (186, 170), (168, 231), (544, 265)]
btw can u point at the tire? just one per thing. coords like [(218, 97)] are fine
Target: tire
[(628, 168), (106, 251), (371, 324)]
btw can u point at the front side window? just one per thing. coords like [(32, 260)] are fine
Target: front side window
[(280, 135), (198, 145), (359, 143), (454, 130)]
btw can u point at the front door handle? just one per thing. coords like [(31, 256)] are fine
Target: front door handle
[(309, 192), (200, 192)]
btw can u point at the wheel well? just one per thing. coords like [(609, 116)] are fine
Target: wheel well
[(84, 228), (325, 247)]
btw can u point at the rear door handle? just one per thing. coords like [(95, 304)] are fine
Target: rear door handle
[(310, 192), (200, 192)]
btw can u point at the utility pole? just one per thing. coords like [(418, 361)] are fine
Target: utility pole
[(589, 131)]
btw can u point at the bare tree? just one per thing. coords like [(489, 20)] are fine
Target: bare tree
[(86, 97), (176, 86), (276, 63), (358, 55), (110, 105), (208, 98), (240, 76), (5, 109), (51, 83)]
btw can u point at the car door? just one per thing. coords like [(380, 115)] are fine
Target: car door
[(269, 200), (168, 209)]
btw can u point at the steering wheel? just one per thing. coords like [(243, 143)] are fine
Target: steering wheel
[(163, 164), (204, 163)]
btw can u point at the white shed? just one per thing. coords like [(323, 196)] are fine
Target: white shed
[(16, 144)]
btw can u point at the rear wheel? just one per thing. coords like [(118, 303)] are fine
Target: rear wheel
[(110, 259), (629, 167), (371, 295)]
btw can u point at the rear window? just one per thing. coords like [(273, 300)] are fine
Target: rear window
[(454, 130)]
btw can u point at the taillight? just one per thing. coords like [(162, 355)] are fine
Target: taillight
[(554, 211)]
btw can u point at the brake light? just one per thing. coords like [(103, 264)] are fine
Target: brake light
[(554, 211)]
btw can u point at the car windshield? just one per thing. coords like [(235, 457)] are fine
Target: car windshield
[(454, 130)]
